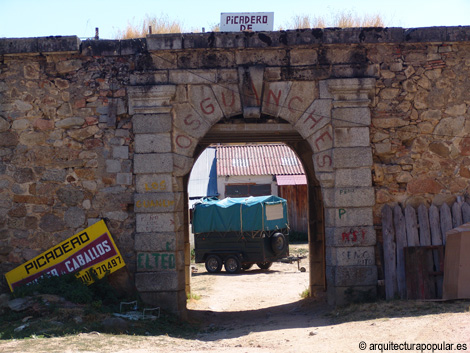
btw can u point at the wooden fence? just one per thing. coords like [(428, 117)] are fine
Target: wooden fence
[(403, 233)]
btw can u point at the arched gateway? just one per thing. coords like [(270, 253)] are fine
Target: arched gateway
[(326, 122)]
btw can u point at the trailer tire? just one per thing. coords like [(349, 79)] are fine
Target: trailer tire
[(232, 264), (278, 243), (213, 264), (264, 265), (246, 266)]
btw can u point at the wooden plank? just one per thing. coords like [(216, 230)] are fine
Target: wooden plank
[(400, 238), (390, 262), (412, 234), (456, 215), (420, 278), (446, 221), (434, 222), (424, 230), (436, 239), (466, 213)]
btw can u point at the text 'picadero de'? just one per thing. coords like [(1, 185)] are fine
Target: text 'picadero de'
[(109, 129)]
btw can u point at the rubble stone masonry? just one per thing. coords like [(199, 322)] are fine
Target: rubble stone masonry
[(108, 129)]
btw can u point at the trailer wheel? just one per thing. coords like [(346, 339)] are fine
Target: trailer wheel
[(232, 264), (246, 266), (213, 264), (264, 265), (278, 243)]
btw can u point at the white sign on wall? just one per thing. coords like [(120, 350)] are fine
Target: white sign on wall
[(246, 21)]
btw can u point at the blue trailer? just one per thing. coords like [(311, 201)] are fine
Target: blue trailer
[(239, 232)]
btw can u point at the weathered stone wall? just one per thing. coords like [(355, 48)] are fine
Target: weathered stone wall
[(108, 129), (421, 124)]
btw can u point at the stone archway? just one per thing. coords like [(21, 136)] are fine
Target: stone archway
[(333, 118)]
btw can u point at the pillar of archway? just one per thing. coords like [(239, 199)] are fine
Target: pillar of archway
[(332, 116)]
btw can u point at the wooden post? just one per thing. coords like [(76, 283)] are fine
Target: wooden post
[(424, 230), (446, 221), (390, 263), (400, 234), (456, 215), (465, 212), (411, 226), (436, 239)]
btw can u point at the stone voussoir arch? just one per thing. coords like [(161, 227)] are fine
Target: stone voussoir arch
[(169, 121)]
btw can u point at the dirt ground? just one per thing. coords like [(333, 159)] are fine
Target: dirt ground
[(262, 311)]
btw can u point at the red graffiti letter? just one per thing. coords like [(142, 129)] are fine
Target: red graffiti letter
[(183, 141), (311, 117), (345, 236), (289, 105), (276, 99), (233, 100), (191, 122), (322, 138), (325, 156), (210, 107)]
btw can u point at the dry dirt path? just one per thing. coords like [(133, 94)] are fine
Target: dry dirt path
[(262, 311)]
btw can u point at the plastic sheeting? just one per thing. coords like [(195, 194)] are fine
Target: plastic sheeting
[(240, 214)]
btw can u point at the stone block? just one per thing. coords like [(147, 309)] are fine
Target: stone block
[(339, 296), (351, 117), (155, 78), (348, 217), (159, 261), (155, 183), (172, 41), (187, 119), (351, 137), (350, 256), (157, 202), (133, 46), (151, 123), (353, 177), (18, 45), (150, 99), (275, 94), (153, 163), (323, 162), (151, 242), (301, 96), (352, 157), (317, 115), (113, 166), (182, 164), (345, 276), (150, 143), (171, 301), (158, 222), (303, 57), (101, 47), (203, 101), (350, 236), (228, 95), (322, 140), (124, 178), (183, 144), (326, 180), (193, 77), (159, 281), (121, 152), (349, 197)]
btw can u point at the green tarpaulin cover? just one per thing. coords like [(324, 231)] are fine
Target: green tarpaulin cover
[(240, 214)]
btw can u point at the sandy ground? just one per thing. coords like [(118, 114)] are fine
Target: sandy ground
[(262, 311)]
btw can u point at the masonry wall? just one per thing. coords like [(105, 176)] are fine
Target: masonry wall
[(69, 136)]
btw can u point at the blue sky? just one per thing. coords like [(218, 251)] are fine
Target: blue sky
[(36, 18)]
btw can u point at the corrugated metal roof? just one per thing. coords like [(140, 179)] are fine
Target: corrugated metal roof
[(257, 159), (291, 180)]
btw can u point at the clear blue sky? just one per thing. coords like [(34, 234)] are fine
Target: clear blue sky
[(36, 18)]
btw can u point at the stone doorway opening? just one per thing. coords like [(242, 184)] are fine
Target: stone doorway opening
[(263, 131)]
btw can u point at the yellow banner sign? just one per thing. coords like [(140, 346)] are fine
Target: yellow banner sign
[(92, 250)]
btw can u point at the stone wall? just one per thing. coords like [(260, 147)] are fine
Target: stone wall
[(103, 129)]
